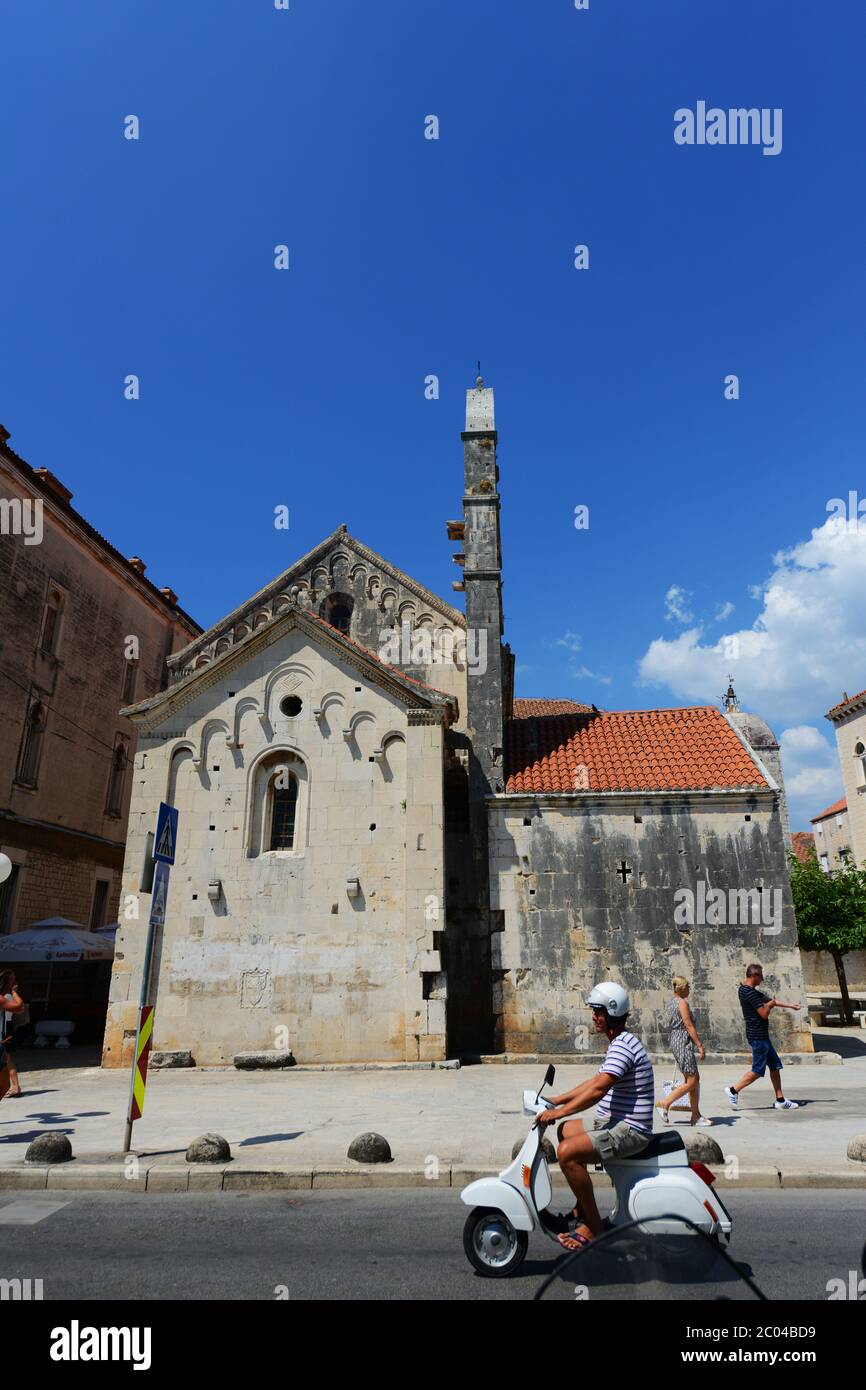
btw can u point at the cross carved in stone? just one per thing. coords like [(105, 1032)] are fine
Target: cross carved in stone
[(624, 870)]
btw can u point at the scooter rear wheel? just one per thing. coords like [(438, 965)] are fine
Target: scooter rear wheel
[(493, 1247)]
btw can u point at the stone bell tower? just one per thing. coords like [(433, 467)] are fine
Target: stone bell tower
[(489, 681), (482, 581)]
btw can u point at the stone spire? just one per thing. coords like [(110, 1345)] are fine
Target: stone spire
[(729, 699), (482, 578)]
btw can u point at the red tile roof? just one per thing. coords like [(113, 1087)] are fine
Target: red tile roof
[(525, 709), (629, 750), (803, 844), (833, 810), (849, 701)]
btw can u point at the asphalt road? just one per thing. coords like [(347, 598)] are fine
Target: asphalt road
[(381, 1244)]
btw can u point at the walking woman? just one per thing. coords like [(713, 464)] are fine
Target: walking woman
[(10, 1003), (684, 1041)]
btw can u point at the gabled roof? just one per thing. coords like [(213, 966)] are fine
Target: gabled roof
[(835, 810), (847, 706), (412, 692), (526, 708), (342, 538), (693, 749)]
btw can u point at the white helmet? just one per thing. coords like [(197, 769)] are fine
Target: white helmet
[(610, 996)]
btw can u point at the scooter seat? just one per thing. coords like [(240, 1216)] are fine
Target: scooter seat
[(666, 1143)]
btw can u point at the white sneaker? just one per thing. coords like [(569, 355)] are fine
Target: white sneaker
[(732, 1096), (785, 1105)]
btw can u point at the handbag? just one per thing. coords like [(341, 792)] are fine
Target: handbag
[(668, 1086)]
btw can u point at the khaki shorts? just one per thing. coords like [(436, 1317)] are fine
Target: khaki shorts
[(613, 1139)]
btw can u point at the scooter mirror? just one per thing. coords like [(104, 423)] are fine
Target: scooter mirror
[(550, 1076)]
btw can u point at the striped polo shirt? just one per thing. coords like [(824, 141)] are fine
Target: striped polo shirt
[(631, 1097)]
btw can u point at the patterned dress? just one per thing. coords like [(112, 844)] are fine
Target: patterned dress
[(681, 1044)]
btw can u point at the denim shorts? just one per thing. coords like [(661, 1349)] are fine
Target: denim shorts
[(764, 1055), (613, 1139)]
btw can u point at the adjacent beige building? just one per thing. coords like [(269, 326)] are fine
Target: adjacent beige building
[(849, 721), (832, 835)]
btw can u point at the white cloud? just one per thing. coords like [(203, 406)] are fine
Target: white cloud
[(811, 771), (584, 673), (573, 644), (570, 641), (677, 605), (806, 646), (724, 610)]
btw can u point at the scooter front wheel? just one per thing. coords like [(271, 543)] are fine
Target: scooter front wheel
[(493, 1247)]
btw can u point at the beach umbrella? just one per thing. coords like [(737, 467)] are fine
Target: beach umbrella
[(54, 943)]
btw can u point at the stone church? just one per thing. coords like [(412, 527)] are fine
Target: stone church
[(383, 855)]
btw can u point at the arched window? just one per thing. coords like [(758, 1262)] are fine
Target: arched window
[(31, 744), (114, 796), (51, 622), (284, 806), (337, 610), (860, 754), (278, 805)]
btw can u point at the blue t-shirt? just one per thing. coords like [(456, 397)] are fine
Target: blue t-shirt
[(751, 999)]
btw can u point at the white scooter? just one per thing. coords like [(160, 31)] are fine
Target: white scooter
[(659, 1182)]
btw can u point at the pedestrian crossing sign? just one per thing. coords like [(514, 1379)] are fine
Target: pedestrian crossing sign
[(165, 839), (159, 896)]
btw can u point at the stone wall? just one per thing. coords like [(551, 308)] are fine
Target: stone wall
[(568, 918), (285, 957), (819, 972)]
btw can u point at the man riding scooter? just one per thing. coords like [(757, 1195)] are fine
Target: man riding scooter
[(622, 1090)]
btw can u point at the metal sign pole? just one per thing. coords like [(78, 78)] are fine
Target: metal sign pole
[(142, 1004), (164, 844)]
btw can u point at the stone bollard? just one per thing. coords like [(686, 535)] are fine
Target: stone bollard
[(370, 1148), (701, 1148), (49, 1148), (857, 1148), (547, 1148), (209, 1148), (164, 1060), (253, 1061)]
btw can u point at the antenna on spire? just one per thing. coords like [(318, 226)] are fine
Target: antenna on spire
[(729, 699)]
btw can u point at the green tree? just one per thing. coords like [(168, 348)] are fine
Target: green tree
[(831, 913)]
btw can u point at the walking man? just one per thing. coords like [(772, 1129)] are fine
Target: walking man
[(757, 1008)]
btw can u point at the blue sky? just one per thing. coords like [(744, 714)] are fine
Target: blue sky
[(410, 257)]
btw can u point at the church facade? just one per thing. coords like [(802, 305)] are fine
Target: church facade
[(383, 855)]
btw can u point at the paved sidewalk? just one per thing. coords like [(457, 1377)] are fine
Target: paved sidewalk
[(293, 1127)]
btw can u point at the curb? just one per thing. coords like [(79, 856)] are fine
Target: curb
[(712, 1059), (81, 1175)]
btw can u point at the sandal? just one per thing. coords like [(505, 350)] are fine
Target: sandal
[(573, 1241), (666, 1119), (703, 1120)]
